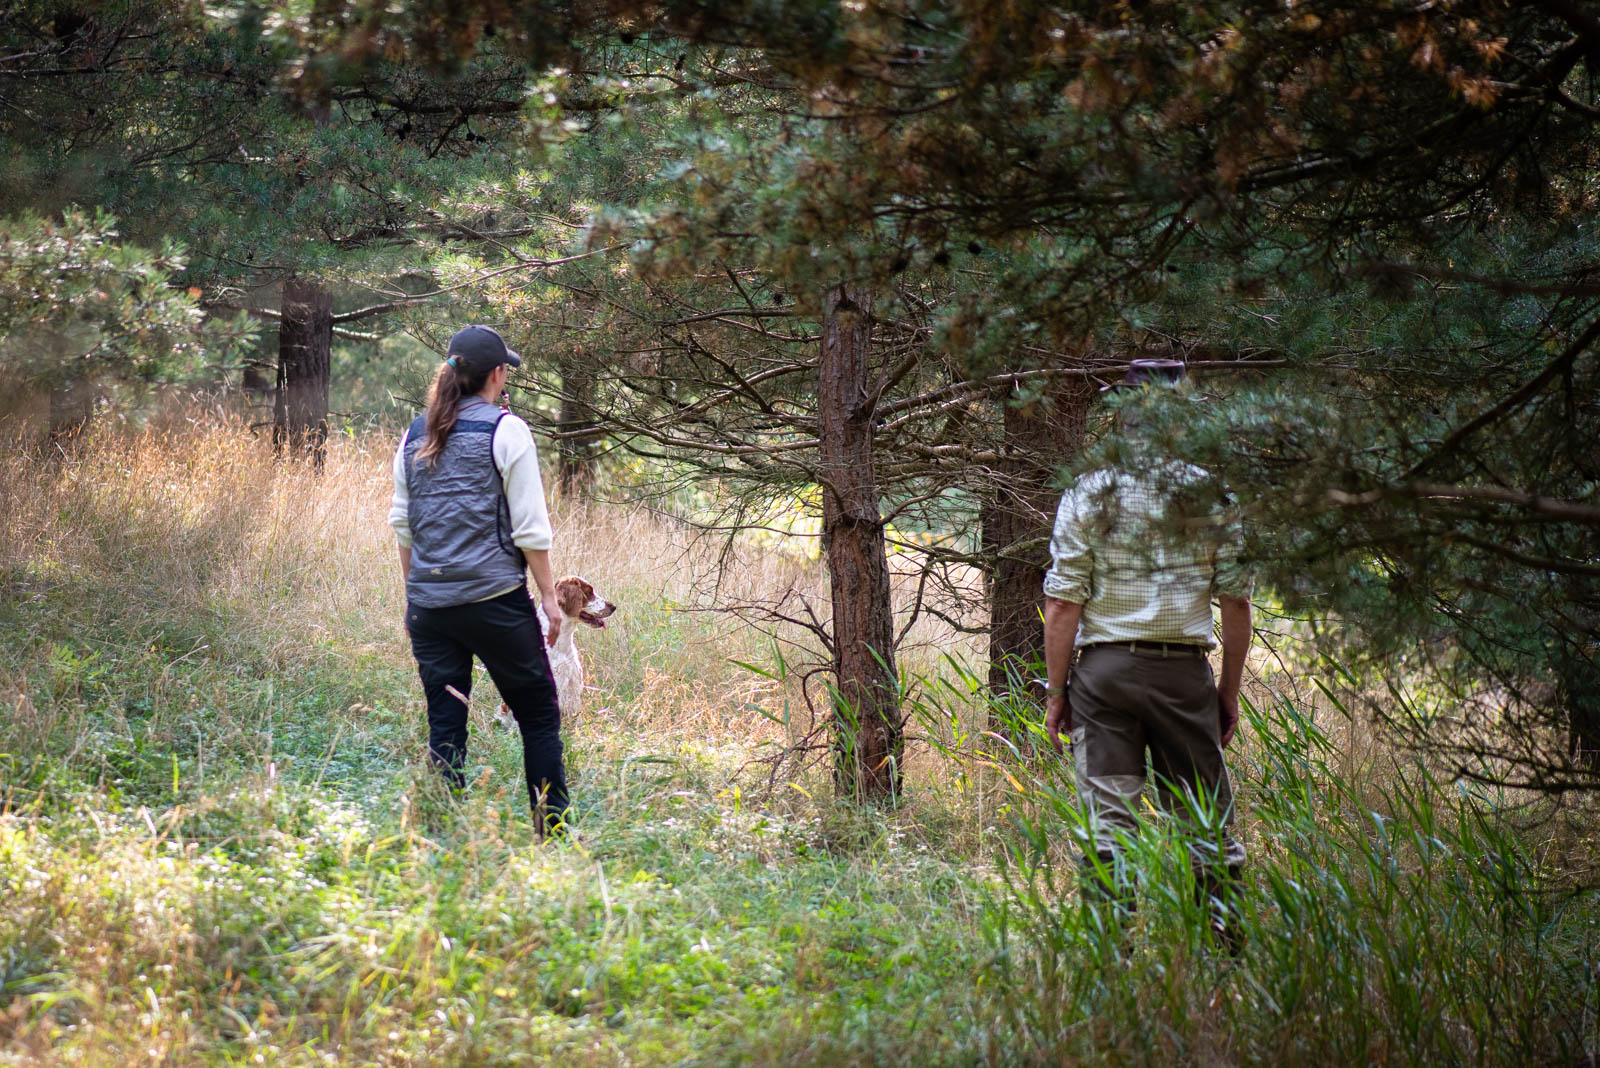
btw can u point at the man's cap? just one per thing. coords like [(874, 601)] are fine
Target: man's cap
[(1149, 372), (480, 348)]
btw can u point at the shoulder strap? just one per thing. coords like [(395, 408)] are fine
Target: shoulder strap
[(492, 460), (414, 434)]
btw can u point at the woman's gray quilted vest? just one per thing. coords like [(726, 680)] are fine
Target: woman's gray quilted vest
[(461, 547)]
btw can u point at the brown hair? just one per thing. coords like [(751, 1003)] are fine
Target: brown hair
[(444, 400)]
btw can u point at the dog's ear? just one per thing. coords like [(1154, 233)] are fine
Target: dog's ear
[(569, 595)]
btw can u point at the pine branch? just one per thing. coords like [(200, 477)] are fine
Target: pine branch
[(1505, 286), (1577, 511), (1582, 22), (1510, 404), (418, 298), (1539, 563)]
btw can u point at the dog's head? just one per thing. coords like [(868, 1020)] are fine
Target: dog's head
[(579, 601)]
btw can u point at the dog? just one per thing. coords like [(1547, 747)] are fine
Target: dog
[(579, 604)]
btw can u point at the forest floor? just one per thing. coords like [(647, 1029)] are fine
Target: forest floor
[(219, 844)]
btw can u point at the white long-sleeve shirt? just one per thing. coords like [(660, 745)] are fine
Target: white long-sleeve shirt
[(517, 459)]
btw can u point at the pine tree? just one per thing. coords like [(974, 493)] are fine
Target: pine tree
[(81, 309), (279, 173)]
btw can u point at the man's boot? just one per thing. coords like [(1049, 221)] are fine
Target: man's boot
[(1100, 883), (1216, 891)]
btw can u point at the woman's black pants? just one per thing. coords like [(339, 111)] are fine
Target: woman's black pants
[(504, 633)]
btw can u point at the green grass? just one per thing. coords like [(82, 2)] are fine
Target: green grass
[(218, 845), (311, 890)]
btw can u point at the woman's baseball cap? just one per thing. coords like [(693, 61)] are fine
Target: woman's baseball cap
[(480, 348)]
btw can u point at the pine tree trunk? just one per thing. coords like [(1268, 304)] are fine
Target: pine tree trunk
[(869, 739), (72, 395), (71, 405), (1039, 440), (575, 469), (305, 355)]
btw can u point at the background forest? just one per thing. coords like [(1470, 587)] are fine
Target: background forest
[(816, 301)]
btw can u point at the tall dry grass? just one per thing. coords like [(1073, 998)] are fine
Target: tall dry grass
[(194, 518)]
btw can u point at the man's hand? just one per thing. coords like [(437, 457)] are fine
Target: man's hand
[(1236, 634), (552, 614), (1060, 634), (1057, 718), (1227, 715)]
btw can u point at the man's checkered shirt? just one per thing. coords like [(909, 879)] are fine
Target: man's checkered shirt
[(1144, 553)]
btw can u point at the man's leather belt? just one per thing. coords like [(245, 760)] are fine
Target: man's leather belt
[(1160, 648)]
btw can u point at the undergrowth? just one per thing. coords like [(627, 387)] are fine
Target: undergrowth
[(218, 844)]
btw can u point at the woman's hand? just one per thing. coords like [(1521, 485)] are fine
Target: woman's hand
[(552, 613), (539, 568)]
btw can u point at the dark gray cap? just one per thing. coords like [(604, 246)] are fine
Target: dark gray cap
[(1149, 372), (480, 348)]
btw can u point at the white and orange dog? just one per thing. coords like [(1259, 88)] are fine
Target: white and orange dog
[(579, 604)]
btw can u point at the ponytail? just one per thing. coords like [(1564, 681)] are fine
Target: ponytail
[(444, 401)]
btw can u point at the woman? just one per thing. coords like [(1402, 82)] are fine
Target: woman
[(469, 512)]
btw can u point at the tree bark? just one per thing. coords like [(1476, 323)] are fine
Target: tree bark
[(72, 392), (869, 738), (71, 406), (1039, 438), (305, 355), (575, 467)]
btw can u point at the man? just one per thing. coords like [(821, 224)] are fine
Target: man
[(1137, 557)]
